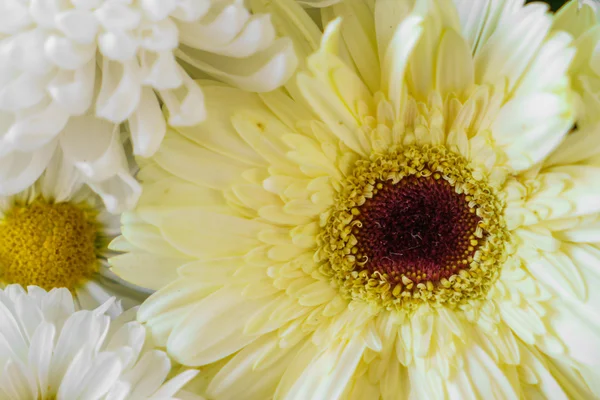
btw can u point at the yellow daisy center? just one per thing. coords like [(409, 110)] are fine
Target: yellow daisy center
[(414, 226), (48, 244)]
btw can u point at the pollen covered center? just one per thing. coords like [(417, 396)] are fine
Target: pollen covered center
[(48, 244), (414, 226), (419, 228)]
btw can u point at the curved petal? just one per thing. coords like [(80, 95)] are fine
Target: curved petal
[(93, 145), (20, 170)]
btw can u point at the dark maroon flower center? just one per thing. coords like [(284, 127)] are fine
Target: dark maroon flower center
[(419, 227)]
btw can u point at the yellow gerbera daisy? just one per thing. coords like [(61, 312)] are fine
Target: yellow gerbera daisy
[(403, 220)]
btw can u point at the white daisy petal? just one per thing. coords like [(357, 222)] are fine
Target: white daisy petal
[(72, 357)]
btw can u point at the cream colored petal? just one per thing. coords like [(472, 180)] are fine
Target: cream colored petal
[(204, 234), (513, 45), (395, 61), (558, 272), (579, 145), (160, 198), (214, 328), (196, 164), (388, 15), (578, 327), (145, 269), (574, 17), (581, 189), (437, 17), (247, 375), (549, 70), (530, 127), (318, 3), (358, 33), (454, 70), (264, 134), (148, 238), (217, 132), (480, 19), (547, 381), (482, 377), (175, 296), (287, 110), (337, 363)]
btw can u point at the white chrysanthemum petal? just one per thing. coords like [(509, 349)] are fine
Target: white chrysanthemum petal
[(186, 103), (260, 72), (120, 90), (99, 156), (78, 25), (26, 52), (158, 10), (37, 128), (115, 15), (67, 54), (62, 59), (147, 125), (13, 16), (119, 193), (23, 92), (73, 90), (20, 170)]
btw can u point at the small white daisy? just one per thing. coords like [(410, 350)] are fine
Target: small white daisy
[(55, 234), (117, 60), (52, 351)]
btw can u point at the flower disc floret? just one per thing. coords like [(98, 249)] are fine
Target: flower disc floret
[(49, 245), (415, 226)]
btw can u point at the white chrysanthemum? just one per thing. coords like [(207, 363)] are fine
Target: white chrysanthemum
[(51, 350), (55, 234), (407, 219), (117, 60)]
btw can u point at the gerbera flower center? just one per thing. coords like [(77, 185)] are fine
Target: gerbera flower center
[(419, 228), (48, 244), (414, 226)]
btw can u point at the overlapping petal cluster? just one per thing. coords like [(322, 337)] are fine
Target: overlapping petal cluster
[(71, 72), (239, 212), (52, 350)]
